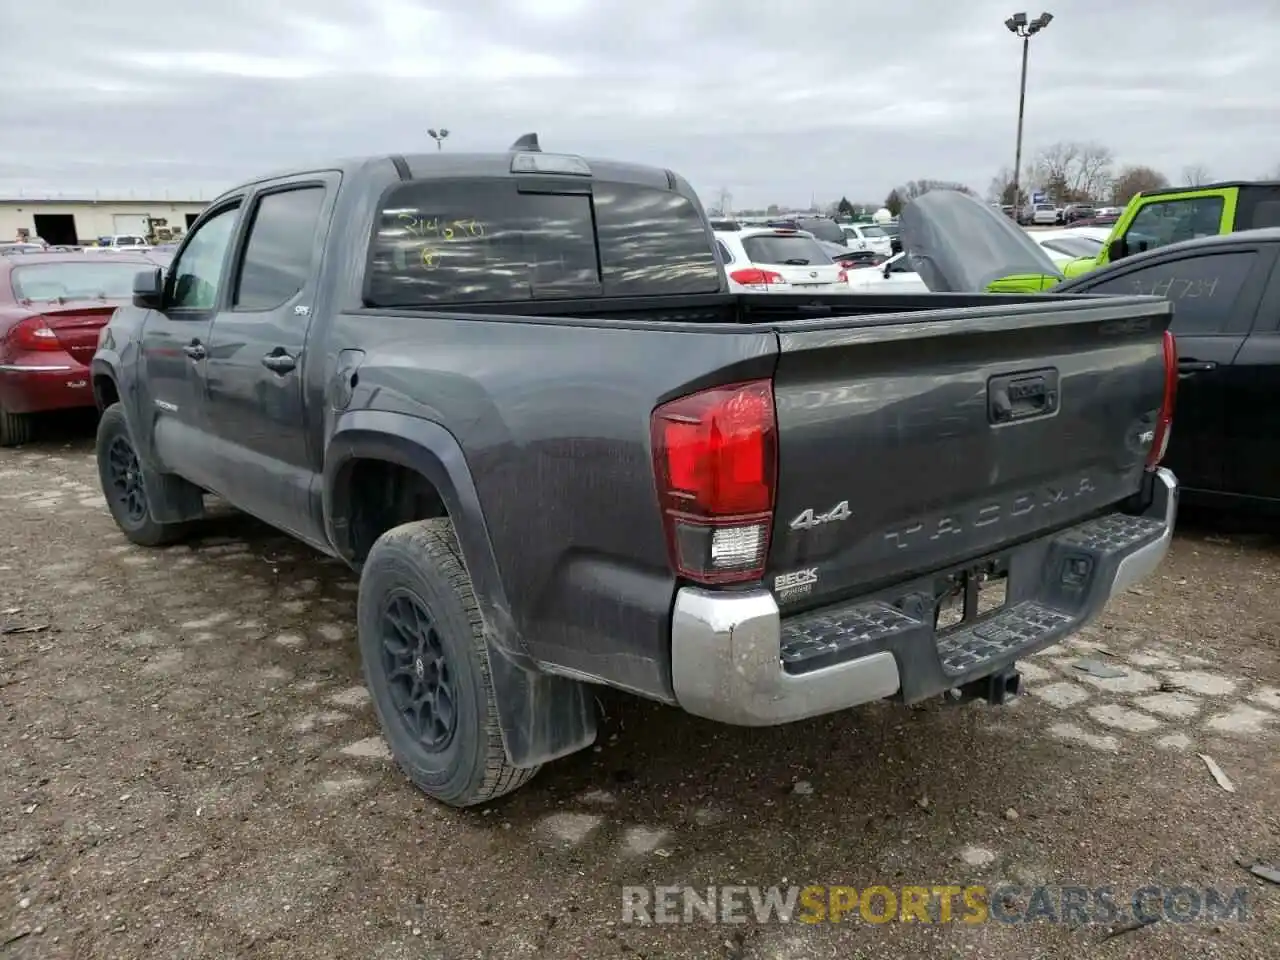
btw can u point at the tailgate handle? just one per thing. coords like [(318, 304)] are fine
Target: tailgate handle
[(1020, 396)]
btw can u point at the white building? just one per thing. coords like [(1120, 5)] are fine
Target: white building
[(73, 220)]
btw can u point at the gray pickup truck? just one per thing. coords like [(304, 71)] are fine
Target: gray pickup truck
[(513, 391)]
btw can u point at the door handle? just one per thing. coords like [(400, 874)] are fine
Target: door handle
[(1187, 368), (195, 350), (277, 361)]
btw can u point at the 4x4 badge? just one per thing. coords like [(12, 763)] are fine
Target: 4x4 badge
[(809, 519)]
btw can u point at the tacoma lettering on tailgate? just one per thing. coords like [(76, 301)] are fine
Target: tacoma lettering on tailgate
[(985, 515)]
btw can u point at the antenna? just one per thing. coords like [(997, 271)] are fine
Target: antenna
[(527, 143)]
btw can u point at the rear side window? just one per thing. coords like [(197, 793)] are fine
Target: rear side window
[(277, 258), (775, 249), (652, 242), (460, 241), (1204, 289)]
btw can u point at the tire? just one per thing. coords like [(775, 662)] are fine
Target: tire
[(15, 428), (127, 497), (421, 630)]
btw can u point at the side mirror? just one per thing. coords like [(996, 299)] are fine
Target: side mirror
[(148, 289), (895, 245), (1118, 250)]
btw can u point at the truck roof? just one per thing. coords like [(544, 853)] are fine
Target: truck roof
[(427, 165), (1222, 185)]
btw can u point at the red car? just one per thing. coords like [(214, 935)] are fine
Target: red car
[(52, 306)]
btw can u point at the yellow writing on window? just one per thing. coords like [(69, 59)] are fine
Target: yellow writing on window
[(440, 228)]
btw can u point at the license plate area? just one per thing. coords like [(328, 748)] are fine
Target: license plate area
[(967, 596)]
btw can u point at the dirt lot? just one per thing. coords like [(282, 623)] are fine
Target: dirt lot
[(190, 768)]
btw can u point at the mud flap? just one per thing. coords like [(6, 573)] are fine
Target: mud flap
[(170, 498), (543, 717)]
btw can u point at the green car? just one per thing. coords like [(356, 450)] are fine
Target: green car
[(1162, 217)]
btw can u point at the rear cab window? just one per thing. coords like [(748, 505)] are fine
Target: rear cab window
[(478, 240), (777, 249)]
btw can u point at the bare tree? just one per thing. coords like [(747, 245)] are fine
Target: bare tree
[(1000, 190), (1196, 175), (1137, 179), (1071, 171)]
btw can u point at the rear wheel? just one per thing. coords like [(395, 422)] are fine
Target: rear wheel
[(427, 666), (15, 428), (121, 476)]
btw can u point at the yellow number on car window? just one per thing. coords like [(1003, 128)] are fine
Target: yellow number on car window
[(430, 259)]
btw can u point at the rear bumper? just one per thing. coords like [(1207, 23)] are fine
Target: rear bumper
[(735, 660), (58, 383)]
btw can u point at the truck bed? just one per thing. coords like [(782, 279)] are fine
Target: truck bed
[(883, 404), (731, 308)]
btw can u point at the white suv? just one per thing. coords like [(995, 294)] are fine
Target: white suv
[(778, 261), (1044, 215), (868, 236)]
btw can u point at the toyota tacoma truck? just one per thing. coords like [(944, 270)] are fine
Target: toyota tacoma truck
[(513, 391)]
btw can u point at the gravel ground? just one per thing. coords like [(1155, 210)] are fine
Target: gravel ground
[(191, 768)]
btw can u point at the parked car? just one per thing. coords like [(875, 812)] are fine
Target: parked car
[(1164, 217), (824, 228), (769, 260), (52, 306), (122, 242), (1042, 214), (1077, 211), (1064, 246), (848, 259), (868, 236), (1226, 296), (895, 275), (578, 459), (11, 249)]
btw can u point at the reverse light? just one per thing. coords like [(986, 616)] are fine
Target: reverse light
[(1164, 419), (715, 459), (33, 333), (758, 279)]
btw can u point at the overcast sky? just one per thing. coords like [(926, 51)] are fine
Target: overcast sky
[(773, 101)]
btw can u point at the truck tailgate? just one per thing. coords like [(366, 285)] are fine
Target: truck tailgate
[(911, 442)]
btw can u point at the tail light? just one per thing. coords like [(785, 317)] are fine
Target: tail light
[(760, 279), (33, 333), (715, 459), (1164, 420), (842, 277)]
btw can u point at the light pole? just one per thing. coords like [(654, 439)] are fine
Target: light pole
[(1019, 27), (438, 136)]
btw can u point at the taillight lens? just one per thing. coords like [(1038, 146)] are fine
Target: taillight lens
[(842, 277), (1164, 420), (33, 333), (715, 456), (760, 279)]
